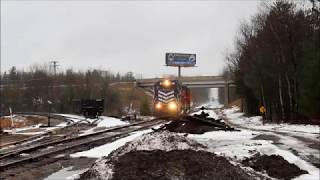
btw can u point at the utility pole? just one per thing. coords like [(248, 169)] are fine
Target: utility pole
[(54, 64)]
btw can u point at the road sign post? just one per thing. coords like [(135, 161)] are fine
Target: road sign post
[(263, 110)]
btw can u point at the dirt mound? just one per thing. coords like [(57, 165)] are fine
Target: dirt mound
[(176, 164), (274, 165), (162, 140), (193, 127), (163, 155)]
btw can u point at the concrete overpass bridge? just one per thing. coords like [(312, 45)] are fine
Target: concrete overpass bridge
[(193, 82)]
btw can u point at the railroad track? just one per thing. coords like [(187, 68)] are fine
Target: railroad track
[(36, 152), (57, 116)]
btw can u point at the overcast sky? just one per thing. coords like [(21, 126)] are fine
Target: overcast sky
[(120, 36)]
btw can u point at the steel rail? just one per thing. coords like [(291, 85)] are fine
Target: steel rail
[(40, 135), (54, 142), (65, 118), (64, 147)]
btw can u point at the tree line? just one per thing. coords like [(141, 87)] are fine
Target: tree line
[(30, 90), (276, 61)]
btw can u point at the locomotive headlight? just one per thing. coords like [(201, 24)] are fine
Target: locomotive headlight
[(167, 83), (172, 106), (158, 105)]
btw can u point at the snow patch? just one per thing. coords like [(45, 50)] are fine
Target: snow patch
[(237, 146), (17, 130), (163, 140), (106, 149), (110, 121), (66, 173), (102, 121), (236, 117)]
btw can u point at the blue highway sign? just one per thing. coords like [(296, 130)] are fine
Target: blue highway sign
[(179, 59)]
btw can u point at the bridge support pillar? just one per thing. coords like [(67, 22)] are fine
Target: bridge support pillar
[(226, 93)]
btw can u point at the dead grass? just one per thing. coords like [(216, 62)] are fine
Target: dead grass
[(21, 121)]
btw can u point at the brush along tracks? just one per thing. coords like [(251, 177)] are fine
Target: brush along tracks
[(39, 151)]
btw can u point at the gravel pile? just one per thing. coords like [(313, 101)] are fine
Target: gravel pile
[(163, 155), (192, 127), (275, 166), (176, 164)]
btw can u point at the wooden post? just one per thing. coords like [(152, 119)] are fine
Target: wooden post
[(11, 117), (226, 93)]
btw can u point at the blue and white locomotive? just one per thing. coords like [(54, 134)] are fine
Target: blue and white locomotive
[(171, 98)]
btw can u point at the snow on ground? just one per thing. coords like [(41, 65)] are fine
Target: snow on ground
[(35, 129), (106, 149), (161, 140), (110, 121), (292, 136), (295, 143), (76, 118), (289, 140), (99, 151), (211, 113), (236, 117), (66, 173), (72, 116), (105, 122), (28, 130), (211, 104), (23, 128), (238, 145), (142, 140), (235, 145)]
